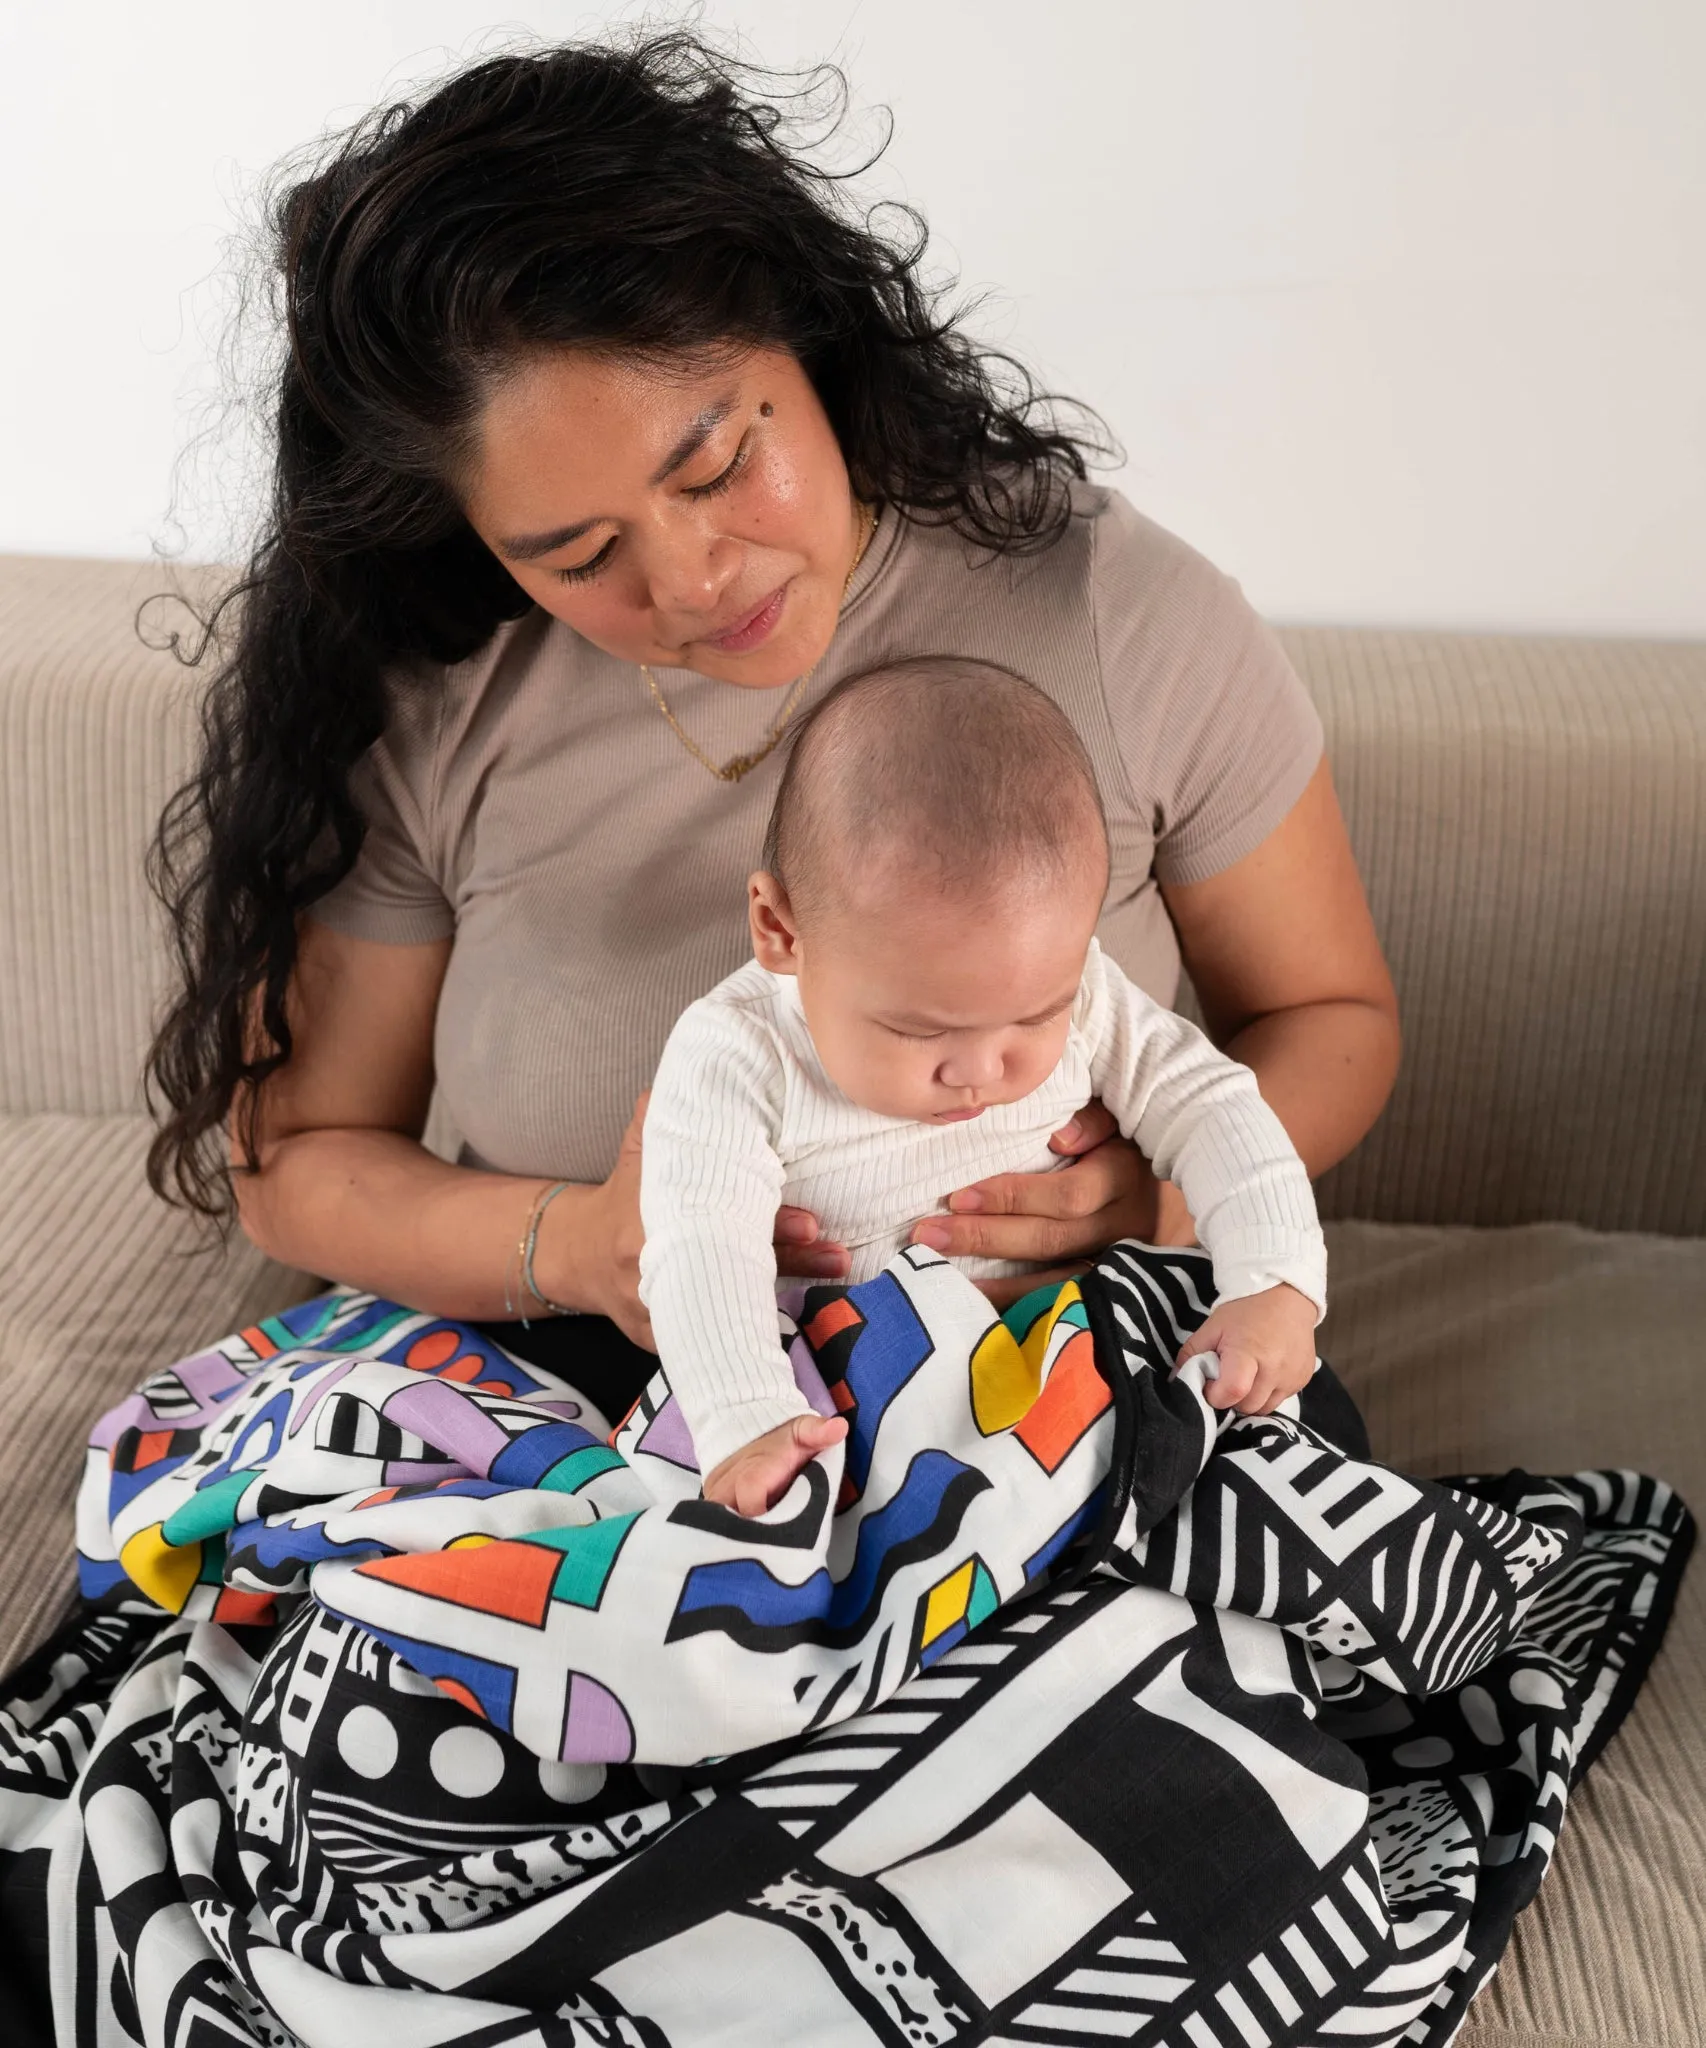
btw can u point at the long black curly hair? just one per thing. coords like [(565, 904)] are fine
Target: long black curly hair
[(644, 198)]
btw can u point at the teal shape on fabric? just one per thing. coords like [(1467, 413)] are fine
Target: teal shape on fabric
[(984, 1598), (287, 1339), (589, 1550), (1031, 1308), (369, 1335), (212, 1571), (359, 1339), (209, 1512), (570, 1474)]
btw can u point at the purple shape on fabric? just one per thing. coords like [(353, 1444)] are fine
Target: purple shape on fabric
[(596, 1728), (667, 1437), (809, 1380), (205, 1377), (333, 1375), (565, 1411), (415, 1472), (447, 1419)]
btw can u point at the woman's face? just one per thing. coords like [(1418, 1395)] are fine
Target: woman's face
[(691, 516)]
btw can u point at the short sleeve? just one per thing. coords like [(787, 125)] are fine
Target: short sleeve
[(1218, 735), (392, 895)]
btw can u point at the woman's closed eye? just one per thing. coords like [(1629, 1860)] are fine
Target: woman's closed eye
[(724, 478), (583, 572)]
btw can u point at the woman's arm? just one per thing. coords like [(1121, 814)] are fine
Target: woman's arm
[(346, 1189), (1291, 979)]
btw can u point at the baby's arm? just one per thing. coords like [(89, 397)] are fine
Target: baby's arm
[(1201, 1120), (710, 1181)]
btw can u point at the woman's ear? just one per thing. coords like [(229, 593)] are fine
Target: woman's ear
[(770, 917)]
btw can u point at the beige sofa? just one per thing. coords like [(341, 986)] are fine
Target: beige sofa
[(1519, 1250)]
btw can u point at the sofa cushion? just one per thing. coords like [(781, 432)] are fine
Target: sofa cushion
[(99, 1286), (1529, 818), (1556, 1348)]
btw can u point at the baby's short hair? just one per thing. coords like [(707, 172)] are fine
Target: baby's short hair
[(959, 767)]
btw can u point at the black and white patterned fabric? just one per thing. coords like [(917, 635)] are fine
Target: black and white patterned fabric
[(1264, 1744)]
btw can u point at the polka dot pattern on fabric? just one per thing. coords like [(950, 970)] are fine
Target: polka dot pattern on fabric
[(570, 1784), (367, 1742), (1482, 1714), (466, 1762), (1537, 1689)]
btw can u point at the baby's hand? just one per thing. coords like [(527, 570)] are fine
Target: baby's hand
[(759, 1473), (1266, 1346)]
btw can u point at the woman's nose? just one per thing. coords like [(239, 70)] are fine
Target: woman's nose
[(972, 1066), (692, 576)]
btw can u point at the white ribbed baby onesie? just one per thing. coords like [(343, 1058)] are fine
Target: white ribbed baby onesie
[(743, 1118)]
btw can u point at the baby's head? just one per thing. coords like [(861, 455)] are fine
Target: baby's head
[(933, 873)]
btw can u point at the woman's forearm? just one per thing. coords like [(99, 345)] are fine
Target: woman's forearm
[(375, 1210), (1325, 1070)]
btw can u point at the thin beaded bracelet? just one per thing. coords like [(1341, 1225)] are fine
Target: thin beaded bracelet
[(521, 1265), (529, 1245)]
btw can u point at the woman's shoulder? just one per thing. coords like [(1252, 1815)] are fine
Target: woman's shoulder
[(432, 706), (1109, 565)]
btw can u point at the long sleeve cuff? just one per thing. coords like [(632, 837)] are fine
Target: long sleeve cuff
[(1257, 1260), (725, 1430)]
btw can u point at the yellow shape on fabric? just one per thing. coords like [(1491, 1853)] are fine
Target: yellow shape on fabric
[(948, 1601), (166, 1572), (473, 1542), (1007, 1370)]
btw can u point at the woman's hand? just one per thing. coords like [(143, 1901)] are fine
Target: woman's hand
[(802, 1253), (588, 1254), (1061, 1219)]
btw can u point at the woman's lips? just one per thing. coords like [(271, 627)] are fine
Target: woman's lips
[(753, 630), (960, 1116)]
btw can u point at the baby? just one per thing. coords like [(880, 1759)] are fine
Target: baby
[(926, 1006)]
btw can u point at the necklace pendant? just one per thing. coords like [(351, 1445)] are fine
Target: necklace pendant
[(742, 764)]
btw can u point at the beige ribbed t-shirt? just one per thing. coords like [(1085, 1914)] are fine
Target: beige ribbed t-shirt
[(531, 803)]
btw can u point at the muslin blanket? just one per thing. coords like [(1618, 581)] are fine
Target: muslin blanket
[(414, 1703)]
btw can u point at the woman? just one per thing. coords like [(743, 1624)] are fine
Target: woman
[(609, 440)]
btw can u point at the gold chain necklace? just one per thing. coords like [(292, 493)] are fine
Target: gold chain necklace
[(738, 765)]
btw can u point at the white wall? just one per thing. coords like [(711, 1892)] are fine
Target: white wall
[(1399, 306)]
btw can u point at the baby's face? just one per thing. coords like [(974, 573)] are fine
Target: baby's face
[(936, 1011)]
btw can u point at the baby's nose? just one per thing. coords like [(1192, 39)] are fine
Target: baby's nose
[(975, 1066)]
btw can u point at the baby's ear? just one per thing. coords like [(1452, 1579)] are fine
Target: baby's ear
[(770, 918)]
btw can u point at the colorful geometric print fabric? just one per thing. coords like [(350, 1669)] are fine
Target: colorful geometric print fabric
[(1087, 1713)]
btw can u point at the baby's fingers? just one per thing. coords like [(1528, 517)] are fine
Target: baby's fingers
[(1238, 1370)]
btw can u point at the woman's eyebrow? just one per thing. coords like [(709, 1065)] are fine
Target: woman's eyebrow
[(699, 430), (528, 547)]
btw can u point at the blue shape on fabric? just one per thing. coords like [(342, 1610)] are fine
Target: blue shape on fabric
[(745, 1599), (493, 1685), (1079, 1523), (890, 1348), (526, 1460), (123, 1487), (98, 1575)]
